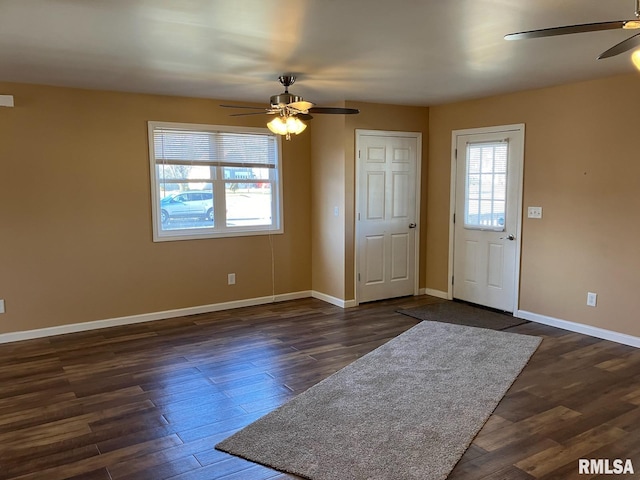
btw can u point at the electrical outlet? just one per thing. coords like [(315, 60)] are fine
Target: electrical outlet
[(592, 299), (1, 306), (231, 279)]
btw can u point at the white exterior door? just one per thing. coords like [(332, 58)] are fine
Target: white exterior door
[(487, 215), (386, 214)]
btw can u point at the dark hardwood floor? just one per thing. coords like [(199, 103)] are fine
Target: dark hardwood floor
[(149, 401)]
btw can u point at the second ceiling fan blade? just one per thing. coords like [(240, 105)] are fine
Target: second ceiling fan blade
[(334, 110), (250, 113), (567, 30), (243, 106), (622, 47)]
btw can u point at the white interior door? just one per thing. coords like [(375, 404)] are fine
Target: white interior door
[(488, 190), (386, 214)]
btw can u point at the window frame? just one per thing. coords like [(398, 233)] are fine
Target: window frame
[(219, 230)]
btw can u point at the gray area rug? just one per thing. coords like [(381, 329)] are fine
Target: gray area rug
[(407, 410), (463, 314)]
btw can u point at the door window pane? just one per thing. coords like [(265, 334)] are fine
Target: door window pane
[(486, 185)]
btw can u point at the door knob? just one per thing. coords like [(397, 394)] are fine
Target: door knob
[(508, 237), (412, 225)]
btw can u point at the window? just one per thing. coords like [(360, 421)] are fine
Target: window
[(486, 186), (209, 181)]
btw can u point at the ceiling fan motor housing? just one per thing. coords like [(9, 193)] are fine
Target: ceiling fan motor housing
[(284, 99)]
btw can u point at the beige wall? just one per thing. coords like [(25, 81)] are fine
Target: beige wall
[(76, 246), (582, 165), (76, 236), (328, 193)]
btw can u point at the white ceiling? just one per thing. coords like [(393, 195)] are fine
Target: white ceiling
[(418, 52)]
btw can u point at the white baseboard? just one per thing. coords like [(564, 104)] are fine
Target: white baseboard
[(437, 293), (597, 332), (148, 317), (338, 302)]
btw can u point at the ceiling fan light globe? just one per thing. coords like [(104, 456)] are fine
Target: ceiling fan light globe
[(301, 128), (277, 126), (286, 126), (295, 125), (635, 58), (631, 25)]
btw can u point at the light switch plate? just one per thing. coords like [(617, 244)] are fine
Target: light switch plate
[(6, 100), (534, 212), (1, 306)]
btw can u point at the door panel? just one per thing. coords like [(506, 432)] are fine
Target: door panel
[(495, 267), (488, 190), (386, 211), (375, 195), (374, 254), (400, 201), (400, 243), (471, 262)]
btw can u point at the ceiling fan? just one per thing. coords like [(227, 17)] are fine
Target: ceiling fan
[(621, 47), (290, 109)]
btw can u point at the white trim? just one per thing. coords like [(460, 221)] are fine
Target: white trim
[(452, 211), (418, 192), (148, 317), (597, 332), (437, 293), (518, 127), (333, 300)]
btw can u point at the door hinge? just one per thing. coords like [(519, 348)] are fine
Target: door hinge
[(452, 277), (454, 218), (456, 154), (359, 153), (358, 277)]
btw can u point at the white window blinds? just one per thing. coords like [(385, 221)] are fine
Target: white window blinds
[(184, 147), (486, 185)]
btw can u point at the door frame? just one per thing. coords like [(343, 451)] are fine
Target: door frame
[(518, 127), (356, 257)]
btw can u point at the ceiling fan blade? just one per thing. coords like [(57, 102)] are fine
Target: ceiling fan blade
[(621, 47), (250, 113), (334, 110), (304, 116), (301, 106), (567, 30), (243, 106)]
